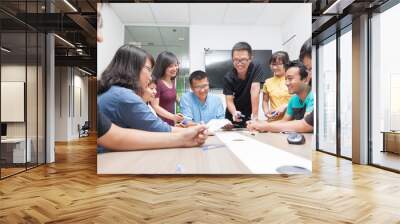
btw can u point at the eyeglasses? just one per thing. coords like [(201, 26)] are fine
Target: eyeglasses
[(148, 68), (200, 87), (241, 61)]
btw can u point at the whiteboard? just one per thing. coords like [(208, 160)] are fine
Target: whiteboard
[(12, 101)]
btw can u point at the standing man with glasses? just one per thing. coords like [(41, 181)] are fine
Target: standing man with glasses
[(242, 86), (200, 106)]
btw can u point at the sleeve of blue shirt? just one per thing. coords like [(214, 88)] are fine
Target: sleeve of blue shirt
[(289, 110), (136, 114), (184, 104), (310, 104), (220, 108)]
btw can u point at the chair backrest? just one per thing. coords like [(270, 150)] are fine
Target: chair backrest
[(86, 125)]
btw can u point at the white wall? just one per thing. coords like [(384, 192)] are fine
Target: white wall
[(12, 73), (113, 35), (68, 80), (61, 103), (224, 37), (298, 24), (80, 82), (33, 126)]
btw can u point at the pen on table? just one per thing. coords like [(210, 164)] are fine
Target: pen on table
[(185, 117)]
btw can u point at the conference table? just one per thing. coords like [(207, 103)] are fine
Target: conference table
[(228, 152)]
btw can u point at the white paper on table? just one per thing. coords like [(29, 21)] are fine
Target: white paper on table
[(259, 157), (216, 124)]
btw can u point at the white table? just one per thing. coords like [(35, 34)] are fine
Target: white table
[(217, 158), (18, 150)]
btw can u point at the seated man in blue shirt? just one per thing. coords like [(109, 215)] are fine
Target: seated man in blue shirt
[(199, 105)]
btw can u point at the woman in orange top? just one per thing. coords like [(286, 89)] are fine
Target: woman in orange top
[(276, 95)]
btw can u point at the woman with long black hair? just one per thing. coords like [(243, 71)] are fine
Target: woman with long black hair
[(165, 71), (121, 85)]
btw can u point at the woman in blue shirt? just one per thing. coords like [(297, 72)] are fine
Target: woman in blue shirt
[(121, 85)]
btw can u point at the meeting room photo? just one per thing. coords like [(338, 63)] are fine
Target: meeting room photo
[(162, 111), (226, 93)]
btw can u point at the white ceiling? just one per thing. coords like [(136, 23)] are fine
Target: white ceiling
[(204, 13), (156, 39), (151, 25)]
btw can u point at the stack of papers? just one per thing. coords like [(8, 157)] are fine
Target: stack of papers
[(216, 124)]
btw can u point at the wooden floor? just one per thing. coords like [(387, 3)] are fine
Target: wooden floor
[(387, 159), (10, 171), (70, 191)]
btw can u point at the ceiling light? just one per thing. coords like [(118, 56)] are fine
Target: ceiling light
[(64, 40), (137, 44), (5, 50), (181, 38), (84, 71), (338, 6), (70, 5)]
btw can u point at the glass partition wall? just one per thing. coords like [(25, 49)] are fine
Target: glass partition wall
[(334, 87), (22, 77), (385, 90), (327, 95), (345, 62)]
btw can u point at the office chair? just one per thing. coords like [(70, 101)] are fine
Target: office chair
[(84, 130)]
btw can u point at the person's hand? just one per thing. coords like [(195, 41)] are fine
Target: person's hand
[(183, 124), (280, 110), (228, 127), (254, 117), (178, 118), (237, 116), (277, 113), (273, 115), (194, 136), (255, 125)]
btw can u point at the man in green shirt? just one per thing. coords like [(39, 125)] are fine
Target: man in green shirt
[(300, 104)]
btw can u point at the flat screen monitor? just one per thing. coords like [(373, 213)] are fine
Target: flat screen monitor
[(3, 129), (219, 62)]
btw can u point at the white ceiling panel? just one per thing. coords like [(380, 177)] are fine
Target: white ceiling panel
[(156, 39), (171, 35), (173, 13), (203, 13), (276, 14), (133, 13), (156, 22), (145, 34), (243, 14)]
